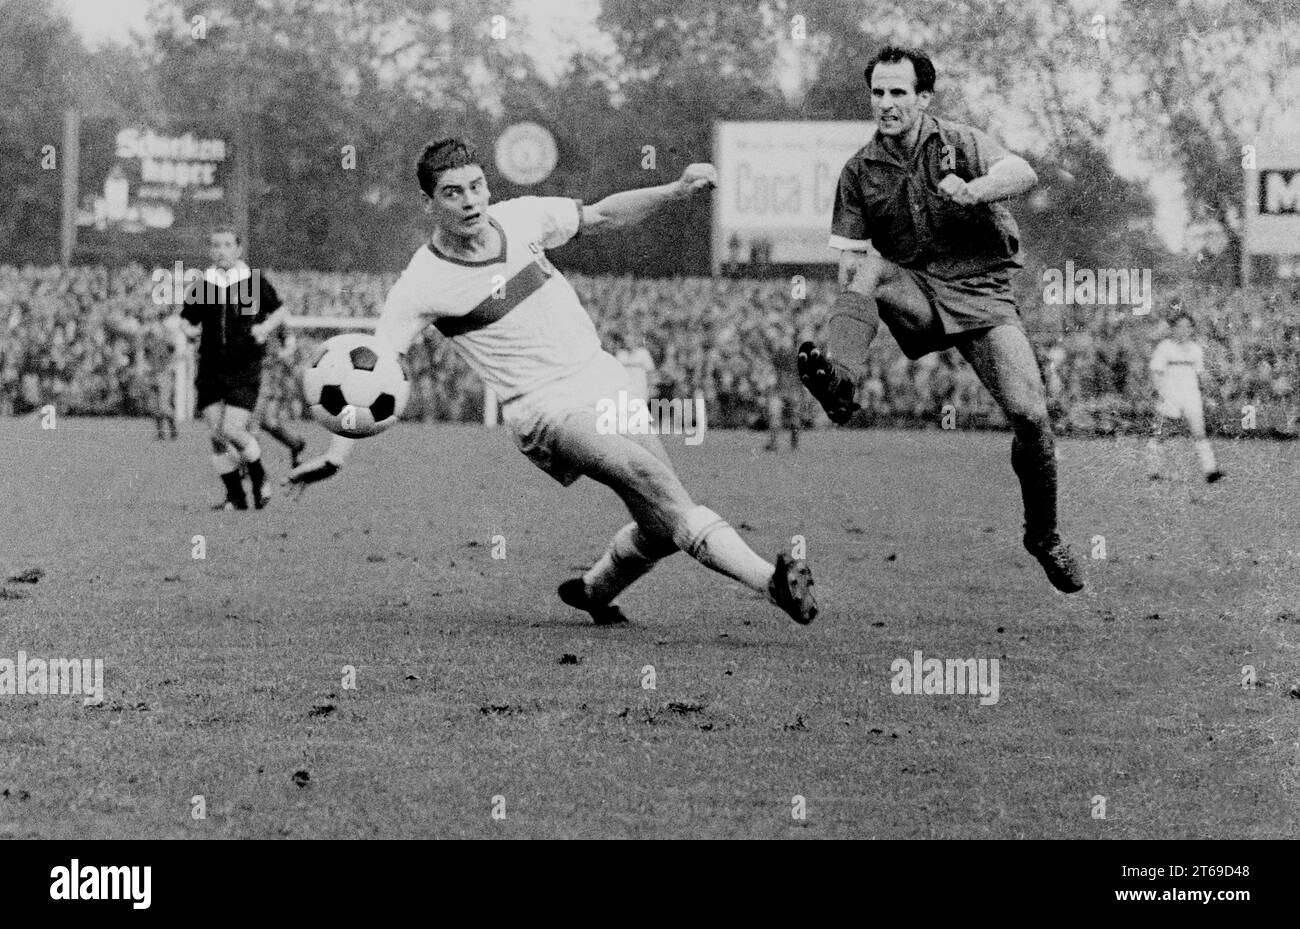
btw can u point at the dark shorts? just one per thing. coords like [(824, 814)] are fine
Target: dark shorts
[(236, 389), (958, 309)]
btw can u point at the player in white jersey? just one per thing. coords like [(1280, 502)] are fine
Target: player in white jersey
[(483, 280), (1176, 368)]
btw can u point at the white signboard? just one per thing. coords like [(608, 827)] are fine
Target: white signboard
[(1273, 198), (776, 188)]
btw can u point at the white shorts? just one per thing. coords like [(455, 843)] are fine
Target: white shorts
[(1182, 404), (539, 419)]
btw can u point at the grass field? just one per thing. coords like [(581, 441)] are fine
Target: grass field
[(224, 675)]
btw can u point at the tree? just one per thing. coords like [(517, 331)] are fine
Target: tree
[(1216, 77), (336, 98)]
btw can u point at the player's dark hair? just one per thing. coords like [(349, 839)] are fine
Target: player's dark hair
[(442, 155), (921, 63), (222, 229)]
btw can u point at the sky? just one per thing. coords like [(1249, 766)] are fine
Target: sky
[(558, 27), (106, 20)]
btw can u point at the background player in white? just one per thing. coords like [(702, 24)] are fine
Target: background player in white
[(1176, 367), (483, 280)]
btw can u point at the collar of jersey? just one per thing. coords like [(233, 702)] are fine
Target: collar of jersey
[(221, 278), (876, 149), (474, 264)]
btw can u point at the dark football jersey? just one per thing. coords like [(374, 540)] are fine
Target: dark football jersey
[(226, 307), (901, 211)]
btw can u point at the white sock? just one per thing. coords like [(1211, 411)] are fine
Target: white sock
[(710, 540), (629, 557), (1206, 455)]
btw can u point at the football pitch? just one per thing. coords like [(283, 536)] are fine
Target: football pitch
[(386, 657)]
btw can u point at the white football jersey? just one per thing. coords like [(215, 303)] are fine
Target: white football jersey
[(1180, 363), (514, 319)]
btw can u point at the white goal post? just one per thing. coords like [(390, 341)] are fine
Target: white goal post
[(332, 322)]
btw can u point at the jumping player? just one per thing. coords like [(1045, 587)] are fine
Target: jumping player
[(231, 311), (926, 247), (535, 346), (1176, 367)]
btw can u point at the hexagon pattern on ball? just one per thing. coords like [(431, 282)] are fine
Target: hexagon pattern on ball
[(331, 398), (356, 386), (383, 407), (363, 358)]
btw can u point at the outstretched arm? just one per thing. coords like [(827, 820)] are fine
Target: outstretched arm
[(1009, 176), (629, 207)]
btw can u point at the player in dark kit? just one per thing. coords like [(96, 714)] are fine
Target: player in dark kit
[(232, 311), (926, 247), (280, 388)]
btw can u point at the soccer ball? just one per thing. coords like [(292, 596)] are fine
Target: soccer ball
[(356, 387)]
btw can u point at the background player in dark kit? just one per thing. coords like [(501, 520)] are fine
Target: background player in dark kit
[(232, 310), (280, 390), (926, 247)]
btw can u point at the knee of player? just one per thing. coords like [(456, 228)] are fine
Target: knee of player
[(655, 480), (888, 271), (649, 475), (657, 541)]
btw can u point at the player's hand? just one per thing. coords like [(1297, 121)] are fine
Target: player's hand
[(958, 191), (259, 333), (699, 177), (310, 472)]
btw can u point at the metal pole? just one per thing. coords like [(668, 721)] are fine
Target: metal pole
[(71, 173), (1249, 214)]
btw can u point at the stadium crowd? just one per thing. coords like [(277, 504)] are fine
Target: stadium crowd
[(74, 338)]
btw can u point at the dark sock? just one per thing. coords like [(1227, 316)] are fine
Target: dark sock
[(256, 475), (1034, 461), (234, 488), (850, 330), (283, 436)]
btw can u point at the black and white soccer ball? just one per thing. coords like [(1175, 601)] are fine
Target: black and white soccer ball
[(356, 386)]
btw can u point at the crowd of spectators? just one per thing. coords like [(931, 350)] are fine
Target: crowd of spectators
[(71, 338)]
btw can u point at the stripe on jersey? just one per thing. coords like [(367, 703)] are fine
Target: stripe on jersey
[(519, 288)]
